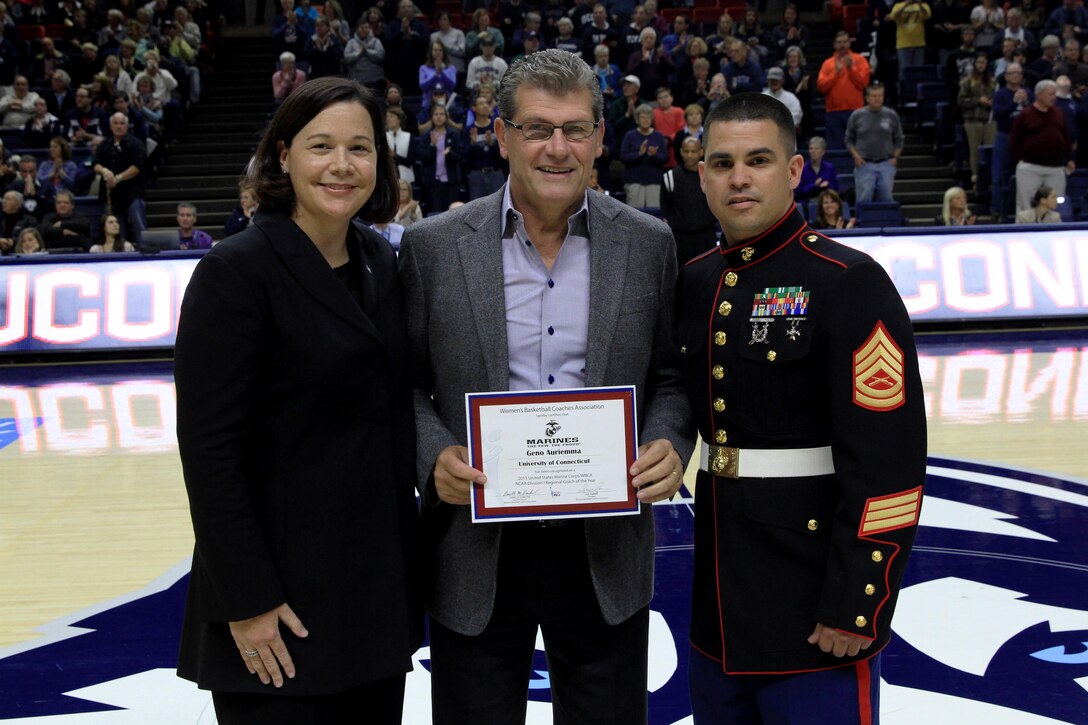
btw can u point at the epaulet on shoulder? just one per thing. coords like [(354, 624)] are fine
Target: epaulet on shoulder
[(824, 247), (704, 255)]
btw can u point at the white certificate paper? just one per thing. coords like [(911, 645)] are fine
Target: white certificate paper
[(553, 454)]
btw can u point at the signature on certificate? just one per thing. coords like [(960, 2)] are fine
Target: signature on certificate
[(590, 492), (515, 495)]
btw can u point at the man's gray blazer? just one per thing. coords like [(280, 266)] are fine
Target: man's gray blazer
[(451, 268)]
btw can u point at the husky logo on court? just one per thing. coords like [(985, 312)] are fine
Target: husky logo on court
[(992, 621)]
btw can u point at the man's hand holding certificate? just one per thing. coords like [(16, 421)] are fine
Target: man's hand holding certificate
[(555, 454)]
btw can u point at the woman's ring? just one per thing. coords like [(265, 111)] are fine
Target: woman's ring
[(250, 653)]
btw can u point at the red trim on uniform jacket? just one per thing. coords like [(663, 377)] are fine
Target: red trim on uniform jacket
[(710, 357), (814, 253), (713, 488), (887, 586), (771, 253)]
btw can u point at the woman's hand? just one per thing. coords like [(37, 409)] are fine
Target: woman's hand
[(262, 649)]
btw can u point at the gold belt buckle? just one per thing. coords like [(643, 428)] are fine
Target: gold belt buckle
[(724, 461)]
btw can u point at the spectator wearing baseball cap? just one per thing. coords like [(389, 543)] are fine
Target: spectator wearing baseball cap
[(530, 27), (531, 43), (776, 77), (455, 112), (487, 67), (621, 112)]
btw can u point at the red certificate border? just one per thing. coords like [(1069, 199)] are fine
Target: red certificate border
[(476, 401)]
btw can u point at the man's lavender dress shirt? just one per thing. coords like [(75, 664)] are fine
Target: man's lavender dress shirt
[(547, 313)]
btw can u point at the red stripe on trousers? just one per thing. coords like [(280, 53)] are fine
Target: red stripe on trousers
[(865, 705)]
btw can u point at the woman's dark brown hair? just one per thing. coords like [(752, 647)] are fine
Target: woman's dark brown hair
[(65, 147), (273, 186), (822, 222)]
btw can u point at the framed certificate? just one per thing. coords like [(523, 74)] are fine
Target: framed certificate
[(551, 454)]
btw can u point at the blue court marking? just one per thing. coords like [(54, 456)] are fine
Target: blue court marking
[(10, 429), (1039, 649)]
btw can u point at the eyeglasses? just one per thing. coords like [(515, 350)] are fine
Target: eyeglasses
[(542, 131)]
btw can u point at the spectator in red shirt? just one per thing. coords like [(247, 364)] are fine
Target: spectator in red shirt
[(1041, 146), (668, 119)]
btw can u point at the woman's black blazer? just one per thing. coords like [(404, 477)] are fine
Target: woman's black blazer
[(297, 441)]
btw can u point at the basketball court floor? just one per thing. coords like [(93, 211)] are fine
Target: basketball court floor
[(992, 624)]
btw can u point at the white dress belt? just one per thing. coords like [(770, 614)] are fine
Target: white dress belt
[(766, 462)]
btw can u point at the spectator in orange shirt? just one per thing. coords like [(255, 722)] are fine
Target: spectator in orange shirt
[(668, 119), (843, 79)]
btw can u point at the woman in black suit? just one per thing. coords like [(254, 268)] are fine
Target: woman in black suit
[(296, 434)]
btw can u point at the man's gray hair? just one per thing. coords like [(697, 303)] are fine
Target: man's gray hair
[(1045, 84), (65, 193), (819, 141), (644, 108), (17, 195), (187, 205), (554, 71)]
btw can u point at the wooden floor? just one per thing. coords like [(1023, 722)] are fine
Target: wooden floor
[(92, 504)]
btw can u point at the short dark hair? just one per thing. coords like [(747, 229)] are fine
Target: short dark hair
[(755, 107), (399, 113), (273, 187)]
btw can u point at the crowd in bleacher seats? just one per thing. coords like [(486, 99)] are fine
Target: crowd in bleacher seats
[(961, 73), (91, 91), (949, 69)]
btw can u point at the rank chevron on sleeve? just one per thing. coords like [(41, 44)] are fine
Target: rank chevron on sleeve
[(878, 372), (886, 513)]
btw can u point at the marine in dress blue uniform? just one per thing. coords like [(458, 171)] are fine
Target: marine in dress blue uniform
[(801, 371)]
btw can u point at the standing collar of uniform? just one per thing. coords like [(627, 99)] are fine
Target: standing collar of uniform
[(577, 223), (763, 245)]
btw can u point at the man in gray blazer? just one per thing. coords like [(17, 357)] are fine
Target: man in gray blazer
[(542, 285)]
